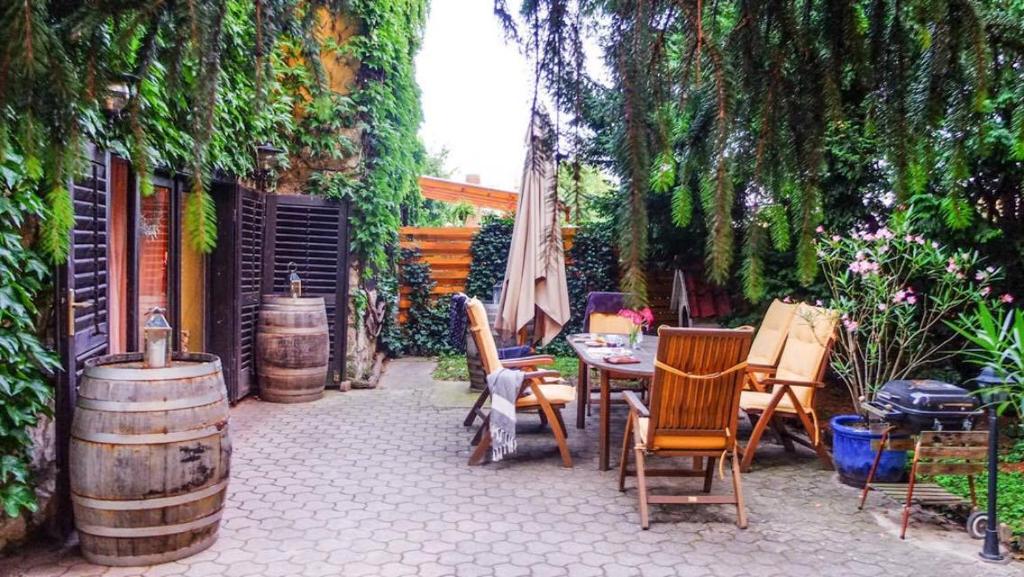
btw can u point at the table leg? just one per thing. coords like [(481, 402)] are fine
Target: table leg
[(605, 419), (582, 394)]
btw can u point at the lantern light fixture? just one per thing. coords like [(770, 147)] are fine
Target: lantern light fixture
[(294, 282), (156, 334)]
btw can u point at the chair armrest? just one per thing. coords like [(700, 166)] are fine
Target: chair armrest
[(532, 361), (635, 404), (774, 381), (540, 375), (767, 369)]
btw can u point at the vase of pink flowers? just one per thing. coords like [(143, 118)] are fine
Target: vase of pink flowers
[(642, 320)]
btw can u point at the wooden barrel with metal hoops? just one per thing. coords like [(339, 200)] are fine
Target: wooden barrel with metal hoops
[(150, 458), (292, 349)]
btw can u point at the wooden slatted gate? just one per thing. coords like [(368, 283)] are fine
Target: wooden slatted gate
[(82, 291), (311, 232)]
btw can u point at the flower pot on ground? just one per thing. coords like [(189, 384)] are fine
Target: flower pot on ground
[(852, 453)]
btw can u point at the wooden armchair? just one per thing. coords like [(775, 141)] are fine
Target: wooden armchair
[(793, 383), (694, 409), (542, 390)]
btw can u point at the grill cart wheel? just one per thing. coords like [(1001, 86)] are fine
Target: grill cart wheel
[(977, 522)]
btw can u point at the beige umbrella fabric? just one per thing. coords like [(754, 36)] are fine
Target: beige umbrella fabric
[(534, 287)]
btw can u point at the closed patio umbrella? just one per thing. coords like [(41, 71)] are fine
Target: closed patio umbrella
[(534, 287)]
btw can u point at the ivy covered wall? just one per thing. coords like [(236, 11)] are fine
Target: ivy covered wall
[(205, 83)]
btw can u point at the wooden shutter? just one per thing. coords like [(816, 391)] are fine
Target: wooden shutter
[(82, 287), (312, 233), (235, 274)]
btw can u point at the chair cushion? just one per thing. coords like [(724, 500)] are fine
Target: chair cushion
[(610, 323), (768, 341), (555, 394), (757, 401), (680, 442)]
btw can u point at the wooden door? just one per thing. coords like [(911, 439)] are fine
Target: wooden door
[(82, 318), (235, 277), (312, 233)]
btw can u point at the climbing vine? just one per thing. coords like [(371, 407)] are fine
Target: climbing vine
[(490, 255)]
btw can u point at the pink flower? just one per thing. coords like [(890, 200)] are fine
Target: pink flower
[(935, 244), (787, 299), (851, 326), (820, 229), (883, 233), (980, 275), (1006, 298), (882, 307), (919, 240), (909, 238), (899, 296), (836, 238), (911, 299), (985, 291)]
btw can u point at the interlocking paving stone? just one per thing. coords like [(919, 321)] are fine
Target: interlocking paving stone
[(375, 483)]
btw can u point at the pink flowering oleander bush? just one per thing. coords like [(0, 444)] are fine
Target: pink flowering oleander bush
[(894, 290)]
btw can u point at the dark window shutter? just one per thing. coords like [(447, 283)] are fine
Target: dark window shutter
[(312, 233), (235, 270)]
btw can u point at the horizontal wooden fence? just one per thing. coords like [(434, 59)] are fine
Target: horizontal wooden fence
[(447, 251)]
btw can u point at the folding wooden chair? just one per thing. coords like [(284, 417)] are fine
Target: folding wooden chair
[(793, 383), (934, 452), (768, 342), (541, 391), (694, 410)]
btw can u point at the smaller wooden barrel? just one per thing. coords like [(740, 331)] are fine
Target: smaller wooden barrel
[(292, 349), (150, 458)]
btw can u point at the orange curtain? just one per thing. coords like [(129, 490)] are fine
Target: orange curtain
[(117, 257)]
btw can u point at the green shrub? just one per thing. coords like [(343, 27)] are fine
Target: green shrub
[(425, 331), (490, 256)]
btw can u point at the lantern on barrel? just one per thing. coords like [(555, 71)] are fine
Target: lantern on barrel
[(294, 282), (156, 335)]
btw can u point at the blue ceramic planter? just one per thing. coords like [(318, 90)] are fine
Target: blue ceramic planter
[(853, 455)]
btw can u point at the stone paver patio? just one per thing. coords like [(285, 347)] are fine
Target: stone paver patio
[(375, 483)]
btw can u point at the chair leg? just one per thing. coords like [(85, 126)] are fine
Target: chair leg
[(780, 431), (752, 443), (485, 443), (561, 422), (543, 418), (476, 410), (563, 448), (641, 485), (812, 431), (737, 487), (624, 457), (709, 474), (755, 435), (476, 438)]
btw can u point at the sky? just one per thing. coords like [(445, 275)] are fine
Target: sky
[(476, 92)]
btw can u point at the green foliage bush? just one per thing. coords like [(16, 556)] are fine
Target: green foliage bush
[(24, 391), (490, 256), (425, 331)]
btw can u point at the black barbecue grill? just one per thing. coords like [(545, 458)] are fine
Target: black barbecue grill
[(919, 405)]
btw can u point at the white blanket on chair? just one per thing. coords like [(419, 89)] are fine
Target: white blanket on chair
[(504, 386)]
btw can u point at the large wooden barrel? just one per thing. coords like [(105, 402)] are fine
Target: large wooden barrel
[(150, 458), (292, 349)]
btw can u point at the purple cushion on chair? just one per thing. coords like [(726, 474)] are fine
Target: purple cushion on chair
[(602, 302), (513, 352)]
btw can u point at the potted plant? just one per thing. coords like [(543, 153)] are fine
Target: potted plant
[(894, 290)]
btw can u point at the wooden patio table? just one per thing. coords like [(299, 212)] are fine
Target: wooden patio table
[(642, 370)]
